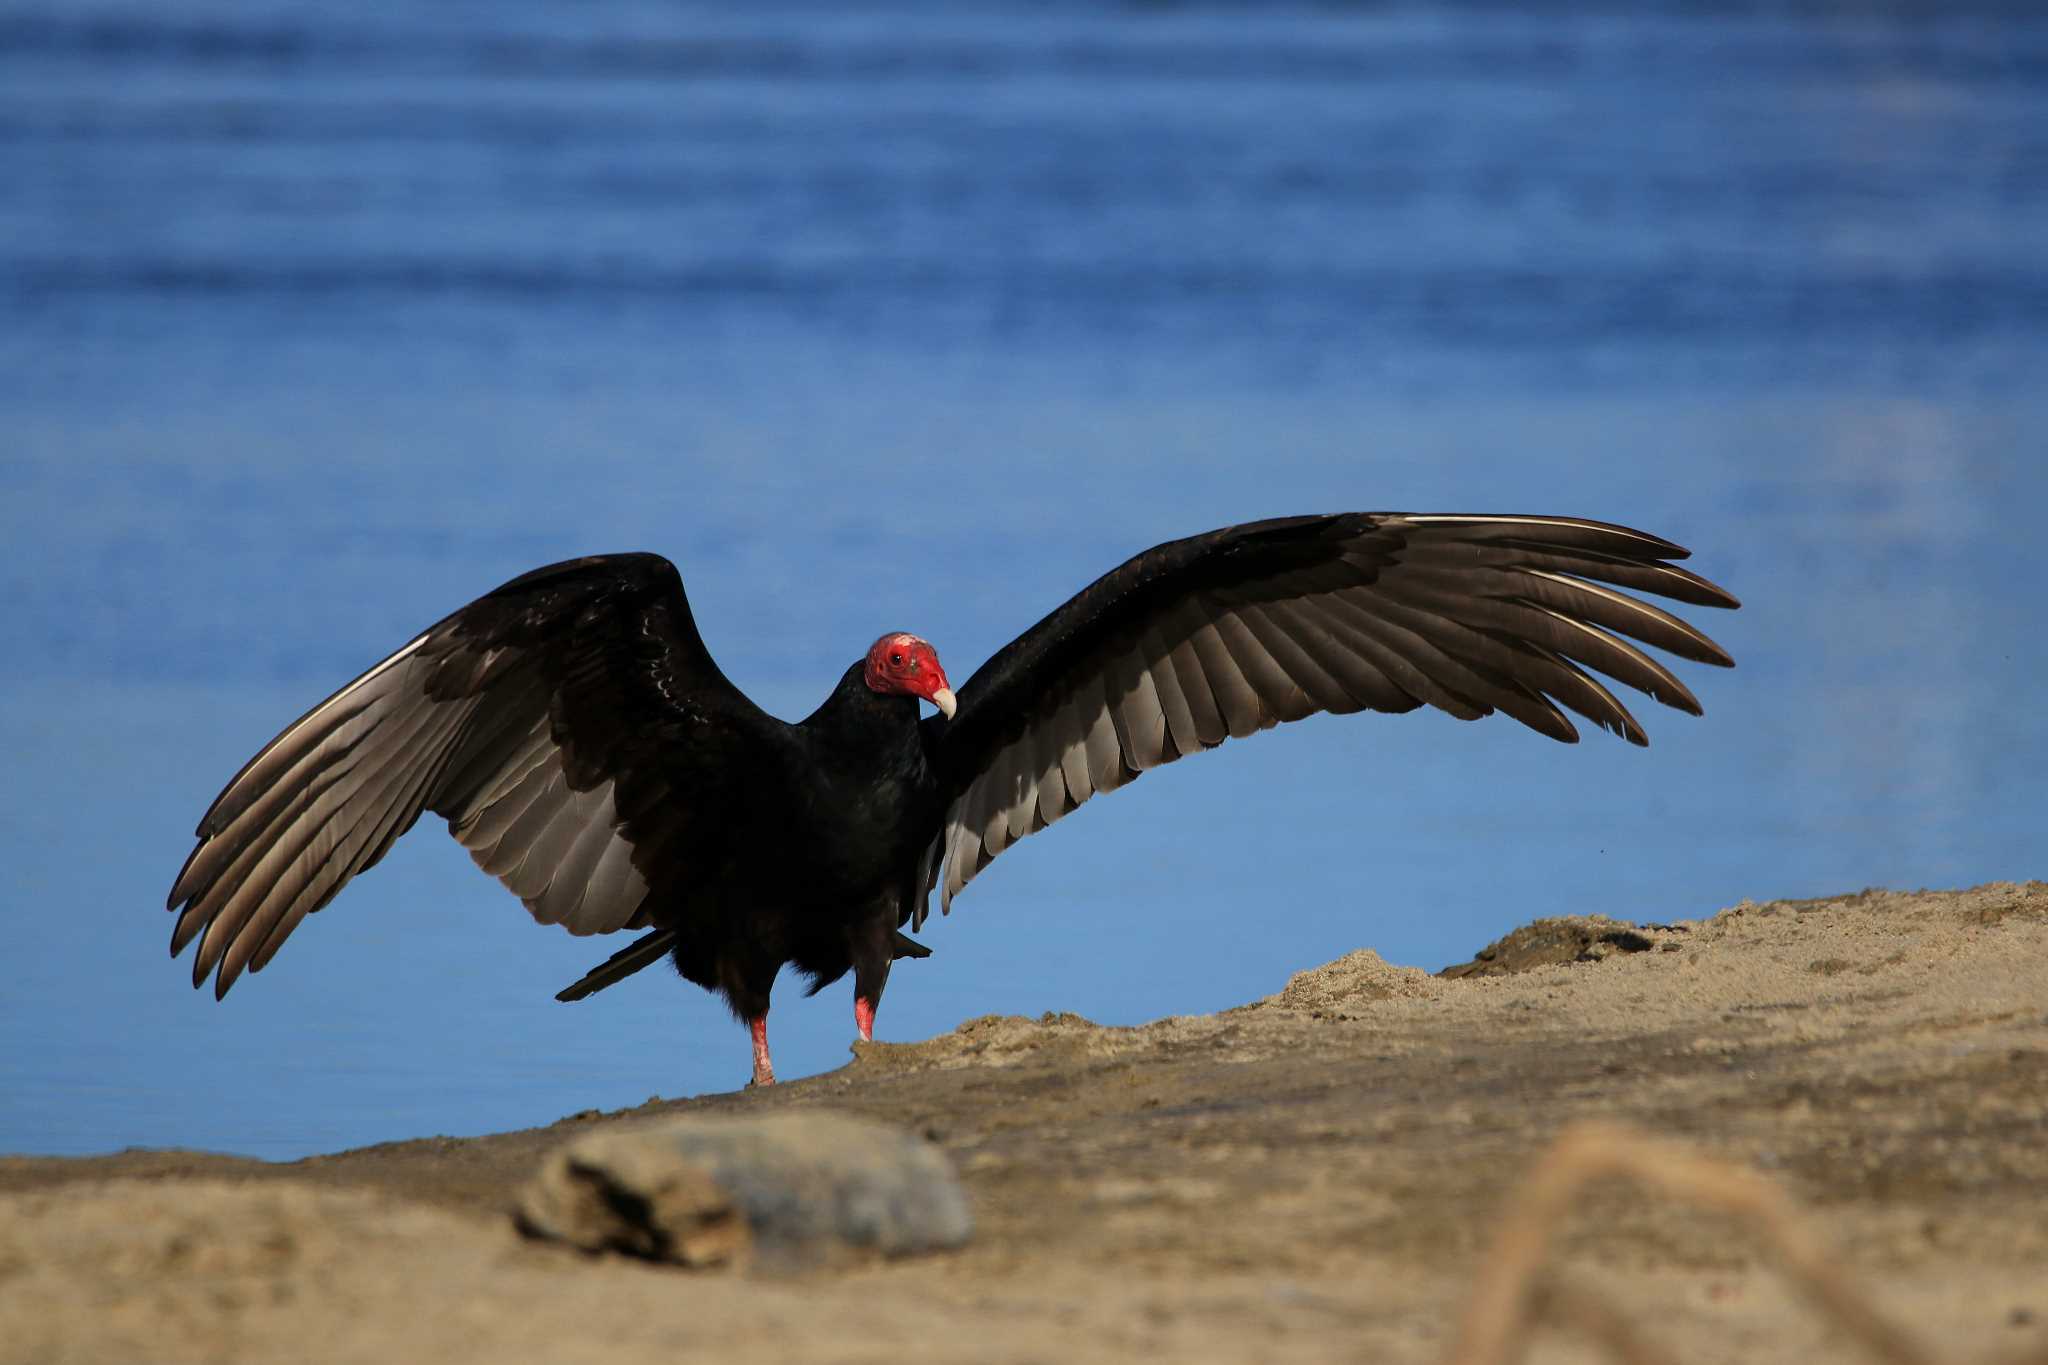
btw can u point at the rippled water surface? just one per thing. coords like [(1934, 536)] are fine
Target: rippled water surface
[(320, 320)]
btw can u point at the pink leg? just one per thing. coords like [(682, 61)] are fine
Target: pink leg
[(764, 1073), (864, 1017)]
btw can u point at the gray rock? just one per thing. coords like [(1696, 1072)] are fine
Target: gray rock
[(782, 1189), (624, 1192)]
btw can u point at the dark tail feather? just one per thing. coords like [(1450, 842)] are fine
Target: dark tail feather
[(906, 946), (644, 951)]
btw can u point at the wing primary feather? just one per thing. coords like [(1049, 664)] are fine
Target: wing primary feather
[(488, 830), (1620, 660), (568, 885), (928, 879), (1280, 697), (481, 820), (494, 755), (1105, 750), (1487, 670), (1438, 646), (1236, 698), (1604, 606), (1182, 733), (1583, 693), (262, 772), (536, 824), (1391, 651), (309, 762), (1308, 674), (1641, 575), (1530, 666), (1074, 760), (1666, 580), (1205, 715), (274, 858), (389, 796), (1578, 533), (1140, 721), (615, 890), (1022, 806), (542, 862), (963, 859), (1047, 744), (275, 940), (1307, 622), (1560, 633), (991, 818), (404, 814)]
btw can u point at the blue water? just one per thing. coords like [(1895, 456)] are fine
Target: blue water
[(317, 321)]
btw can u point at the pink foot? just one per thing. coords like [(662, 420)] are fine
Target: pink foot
[(864, 1017), (764, 1071)]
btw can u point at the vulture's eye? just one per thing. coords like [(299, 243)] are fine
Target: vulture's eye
[(896, 660)]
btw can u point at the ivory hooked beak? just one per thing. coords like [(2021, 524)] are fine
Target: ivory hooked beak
[(943, 699)]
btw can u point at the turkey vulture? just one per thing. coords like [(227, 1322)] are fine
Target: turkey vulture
[(582, 744)]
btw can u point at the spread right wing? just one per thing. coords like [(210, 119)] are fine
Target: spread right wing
[(571, 727)]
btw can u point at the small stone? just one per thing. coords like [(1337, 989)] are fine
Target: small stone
[(784, 1189)]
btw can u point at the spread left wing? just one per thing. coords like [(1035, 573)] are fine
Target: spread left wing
[(1221, 635)]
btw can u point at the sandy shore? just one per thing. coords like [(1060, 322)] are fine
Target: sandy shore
[(1313, 1176)]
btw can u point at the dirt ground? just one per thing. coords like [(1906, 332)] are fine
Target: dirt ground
[(1314, 1176)]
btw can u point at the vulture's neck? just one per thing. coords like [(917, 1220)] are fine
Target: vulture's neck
[(873, 730)]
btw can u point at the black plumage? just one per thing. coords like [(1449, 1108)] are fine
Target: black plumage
[(581, 742)]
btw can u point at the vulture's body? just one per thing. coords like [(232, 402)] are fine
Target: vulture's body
[(577, 736)]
